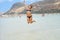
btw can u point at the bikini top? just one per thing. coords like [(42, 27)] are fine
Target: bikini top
[(28, 10)]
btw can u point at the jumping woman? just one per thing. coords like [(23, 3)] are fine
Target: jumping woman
[(29, 15)]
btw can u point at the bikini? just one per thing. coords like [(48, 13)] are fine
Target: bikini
[(29, 16), (28, 10)]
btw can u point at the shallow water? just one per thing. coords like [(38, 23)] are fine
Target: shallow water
[(16, 28)]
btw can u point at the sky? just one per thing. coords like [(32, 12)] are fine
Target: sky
[(5, 5)]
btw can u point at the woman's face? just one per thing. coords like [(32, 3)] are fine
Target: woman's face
[(30, 7)]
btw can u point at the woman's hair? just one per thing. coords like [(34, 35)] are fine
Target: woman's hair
[(30, 6)]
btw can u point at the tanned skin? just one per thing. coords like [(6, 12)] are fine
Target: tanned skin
[(29, 15)]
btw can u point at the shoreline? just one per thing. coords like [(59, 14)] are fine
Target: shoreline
[(5, 16)]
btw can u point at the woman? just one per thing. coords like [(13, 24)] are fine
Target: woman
[(29, 15)]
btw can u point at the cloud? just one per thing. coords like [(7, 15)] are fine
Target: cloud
[(10, 0), (1, 1), (30, 1)]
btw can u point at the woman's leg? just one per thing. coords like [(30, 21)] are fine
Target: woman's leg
[(30, 20)]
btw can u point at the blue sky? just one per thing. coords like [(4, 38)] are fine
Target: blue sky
[(5, 5)]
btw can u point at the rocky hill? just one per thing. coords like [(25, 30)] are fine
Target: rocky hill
[(46, 6), (16, 8)]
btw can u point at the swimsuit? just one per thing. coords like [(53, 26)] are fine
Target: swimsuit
[(29, 16), (28, 10)]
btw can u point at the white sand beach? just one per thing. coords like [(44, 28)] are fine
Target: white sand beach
[(16, 28)]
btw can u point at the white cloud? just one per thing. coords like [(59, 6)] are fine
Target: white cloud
[(1, 1), (18, 0), (10, 0)]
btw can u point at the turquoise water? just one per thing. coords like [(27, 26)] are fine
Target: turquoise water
[(16, 28)]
